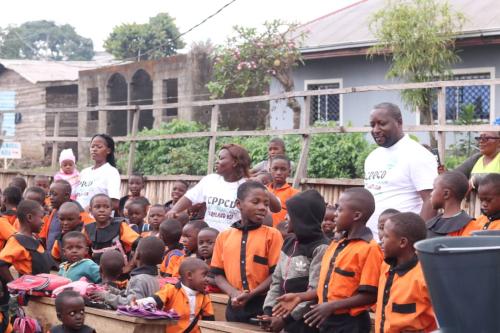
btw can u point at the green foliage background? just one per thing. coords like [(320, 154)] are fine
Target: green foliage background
[(330, 155)]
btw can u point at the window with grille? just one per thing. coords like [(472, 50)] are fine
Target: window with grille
[(325, 107), (458, 97)]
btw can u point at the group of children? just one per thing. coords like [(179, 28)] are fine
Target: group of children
[(310, 267)]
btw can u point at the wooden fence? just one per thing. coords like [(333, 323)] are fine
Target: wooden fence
[(305, 130)]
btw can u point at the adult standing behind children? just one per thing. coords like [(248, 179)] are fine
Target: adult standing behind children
[(400, 172), (102, 177), (218, 190)]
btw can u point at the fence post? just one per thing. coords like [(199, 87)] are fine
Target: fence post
[(441, 110), (301, 171), (57, 120), (214, 120), (136, 113)]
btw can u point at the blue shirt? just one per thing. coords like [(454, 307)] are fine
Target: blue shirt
[(83, 268)]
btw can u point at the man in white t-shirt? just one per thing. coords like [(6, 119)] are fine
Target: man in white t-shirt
[(400, 172)]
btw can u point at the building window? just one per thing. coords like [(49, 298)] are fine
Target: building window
[(93, 100), (324, 107), (170, 95), (458, 97)]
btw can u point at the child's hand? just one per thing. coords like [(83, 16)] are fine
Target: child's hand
[(286, 304), (97, 296), (272, 324), (243, 298), (319, 313)]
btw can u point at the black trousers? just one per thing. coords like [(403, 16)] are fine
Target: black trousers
[(252, 309), (345, 323)]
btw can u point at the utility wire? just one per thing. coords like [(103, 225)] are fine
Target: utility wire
[(182, 34)]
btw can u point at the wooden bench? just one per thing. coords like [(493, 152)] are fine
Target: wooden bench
[(219, 302), (225, 326), (43, 309)]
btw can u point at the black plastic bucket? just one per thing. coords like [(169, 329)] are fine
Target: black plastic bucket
[(463, 277)]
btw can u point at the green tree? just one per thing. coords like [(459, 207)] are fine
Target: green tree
[(44, 40), (250, 58), (419, 37), (156, 39)]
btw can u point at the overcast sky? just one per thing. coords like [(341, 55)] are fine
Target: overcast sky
[(96, 18)]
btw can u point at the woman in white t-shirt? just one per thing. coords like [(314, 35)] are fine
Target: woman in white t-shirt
[(218, 190), (102, 177)]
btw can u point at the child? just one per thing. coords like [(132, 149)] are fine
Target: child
[(111, 267), (276, 147), (300, 260), (246, 254), (43, 182), (350, 276), (381, 221), (75, 250), (187, 297), (38, 194), (170, 233), (155, 218), (135, 186), (70, 309), (107, 233), (144, 279), (59, 193), (328, 224), (280, 170), (403, 302), (189, 236), (70, 220), (25, 252), (489, 195), (136, 213), (68, 171), (180, 188), (206, 242), (449, 190), (19, 182), (11, 197)]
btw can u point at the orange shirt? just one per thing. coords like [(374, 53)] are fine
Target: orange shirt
[(483, 222), (172, 261), (6, 230), (403, 302), (246, 255), (174, 297), (86, 219), (350, 265), (283, 193), (17, 255), (125, 234), (56, 248)]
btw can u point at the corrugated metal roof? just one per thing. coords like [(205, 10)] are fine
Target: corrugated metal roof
[(37, 71), (349, 28)]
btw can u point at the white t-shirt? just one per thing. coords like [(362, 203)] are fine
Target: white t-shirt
[(394, 175), (220, 197), (105, 179)]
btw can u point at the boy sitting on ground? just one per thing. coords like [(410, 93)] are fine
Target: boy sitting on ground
[(75, 251)]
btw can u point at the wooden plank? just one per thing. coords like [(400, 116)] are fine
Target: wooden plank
[(219, 303), (57, 124), (214, 120), (347, 90), (227, 327), (305, 116), (442, 121), (136, 114)]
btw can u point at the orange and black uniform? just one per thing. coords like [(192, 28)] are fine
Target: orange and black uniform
[(6, 230), (172, 261), (350, 265), (86, 219), (484, 222), (116, 235), (174, 297), (403, 302), (27, 254), (56, 249), (10, 216), (284, 193), (246, 255), (456, 225)]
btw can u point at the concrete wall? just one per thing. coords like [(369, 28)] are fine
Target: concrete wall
[(360, 71)]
